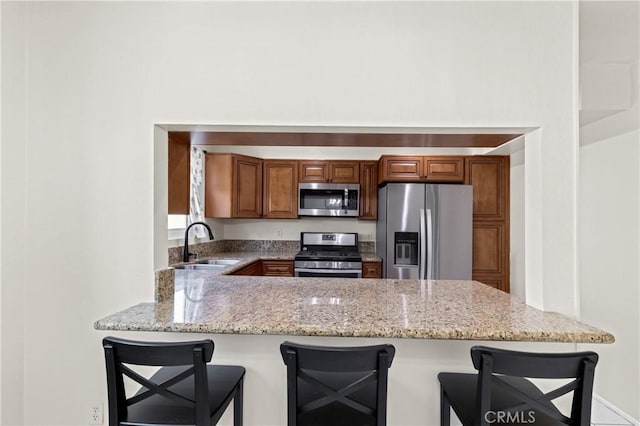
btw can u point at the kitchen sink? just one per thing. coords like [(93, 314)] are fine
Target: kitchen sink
[(201, 266), (220, 262)]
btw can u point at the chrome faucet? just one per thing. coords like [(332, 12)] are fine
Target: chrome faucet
[(187, 255)]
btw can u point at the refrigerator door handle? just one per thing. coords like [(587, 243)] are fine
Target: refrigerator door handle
[(423, 246), (429, 245)]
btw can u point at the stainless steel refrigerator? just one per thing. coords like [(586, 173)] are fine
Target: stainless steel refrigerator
[(424, 231)]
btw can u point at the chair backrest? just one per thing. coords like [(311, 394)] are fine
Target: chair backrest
[(492, 364), (120, 353), (336, 383)]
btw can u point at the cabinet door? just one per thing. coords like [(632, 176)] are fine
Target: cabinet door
[(395, 168), (488, 245), (179, 175), (280, 189), (218, 188), (314, 171), (277, 268), (344, 172), (371, 270), (489, 176), (369, 190), (247, 187), (444, 169)]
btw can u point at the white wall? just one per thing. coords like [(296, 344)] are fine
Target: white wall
[(13, 213), (101, 74), (609, 262), (517, 227)]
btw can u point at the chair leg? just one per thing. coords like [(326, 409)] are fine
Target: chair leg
[(445, 409), (237, 405)]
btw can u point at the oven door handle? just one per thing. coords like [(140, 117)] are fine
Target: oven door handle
[(325, 271)]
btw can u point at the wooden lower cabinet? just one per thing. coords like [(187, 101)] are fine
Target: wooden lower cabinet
[(491, 281), (371, 269), (253, 269), (491, 254), (277, 268)]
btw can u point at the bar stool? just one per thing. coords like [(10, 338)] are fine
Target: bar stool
[(337, 386), (184, 391), (500, 394)]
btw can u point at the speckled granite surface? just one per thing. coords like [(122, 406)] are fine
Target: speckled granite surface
[(215, 247), (467, 310), (164, 278)]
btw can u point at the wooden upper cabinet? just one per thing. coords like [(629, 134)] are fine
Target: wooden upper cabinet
[(489, 176), (280, 192), (179, 175), (418, 168), (397, 168), (233, 186), (444, 169), (368, 190), (337, 171)]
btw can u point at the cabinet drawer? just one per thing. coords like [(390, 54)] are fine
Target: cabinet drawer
[(278, 268), (371, 270)]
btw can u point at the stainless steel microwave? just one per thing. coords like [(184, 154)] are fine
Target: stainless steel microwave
[(328, 199)]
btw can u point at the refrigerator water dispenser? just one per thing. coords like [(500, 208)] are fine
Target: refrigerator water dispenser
[(406, 248)]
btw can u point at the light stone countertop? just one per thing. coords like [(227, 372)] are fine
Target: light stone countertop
[(206, 302)]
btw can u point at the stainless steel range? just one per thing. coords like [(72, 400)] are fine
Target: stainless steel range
[(328, 254)]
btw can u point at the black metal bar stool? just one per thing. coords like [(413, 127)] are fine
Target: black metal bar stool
[(337, 386), (184, 391), (500, 394)]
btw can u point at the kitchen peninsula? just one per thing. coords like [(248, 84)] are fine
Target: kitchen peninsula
[(207, 302), (432, 324)]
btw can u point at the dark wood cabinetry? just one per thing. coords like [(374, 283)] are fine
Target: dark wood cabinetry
[(269, 268), (252, 269), (337, 171), (489, 176), (371, 270), (368, 190), (280, 189), (233, 186), (179, 175), (277, 268), (416, 168)]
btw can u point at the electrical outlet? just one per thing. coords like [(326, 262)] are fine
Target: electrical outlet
[(95, 413), (279, 232)]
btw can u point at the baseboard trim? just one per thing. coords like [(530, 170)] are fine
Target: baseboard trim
[(615, 409)]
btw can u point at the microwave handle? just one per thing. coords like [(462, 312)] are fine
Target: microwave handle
[(345, 200)]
